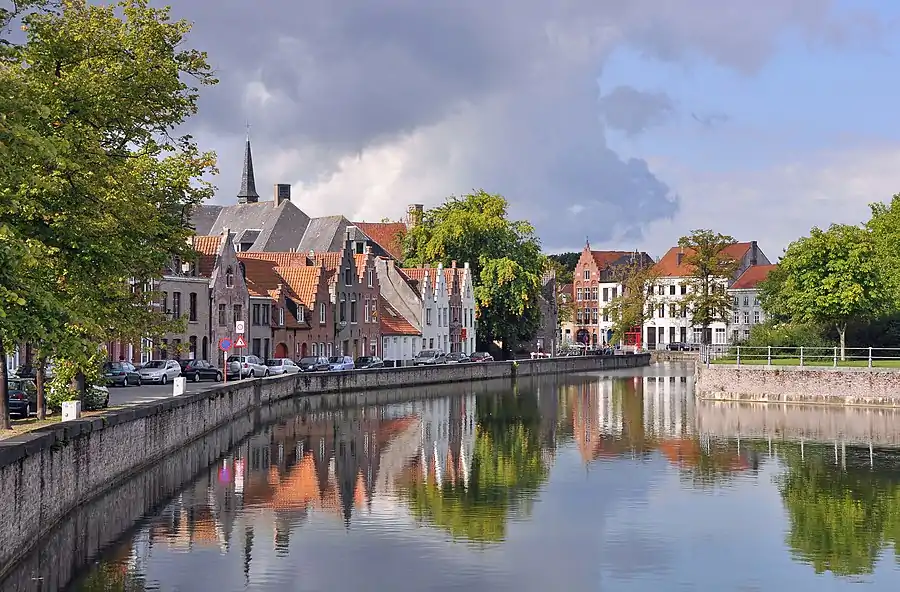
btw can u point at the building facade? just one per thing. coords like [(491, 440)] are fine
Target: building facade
[(747, 310), (431, 283), (401, 340)]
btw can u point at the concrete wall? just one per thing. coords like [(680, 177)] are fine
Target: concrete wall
[(46, 473), (787, 384)]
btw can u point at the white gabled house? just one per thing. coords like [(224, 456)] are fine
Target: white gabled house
[(431, 284), (747, 310)]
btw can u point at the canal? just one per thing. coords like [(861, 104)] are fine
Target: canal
[(577, 483)]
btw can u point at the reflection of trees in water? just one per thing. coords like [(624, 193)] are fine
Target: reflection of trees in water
[(507, 468), (111, 576), (840, 520)]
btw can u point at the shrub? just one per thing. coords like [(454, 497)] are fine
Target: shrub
[(60, 388), (788, 338)]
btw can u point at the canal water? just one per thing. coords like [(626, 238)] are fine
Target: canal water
[(578, 483)]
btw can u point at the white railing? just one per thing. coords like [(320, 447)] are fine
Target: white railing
[(860, 357)]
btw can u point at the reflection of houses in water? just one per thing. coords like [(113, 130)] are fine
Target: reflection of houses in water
[(191, 520), (447, 438), (669, 405)]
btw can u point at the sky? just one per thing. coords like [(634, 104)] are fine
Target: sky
[(625, 122)]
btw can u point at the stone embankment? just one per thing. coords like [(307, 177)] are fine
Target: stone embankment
[(789, 384), (47, 473)]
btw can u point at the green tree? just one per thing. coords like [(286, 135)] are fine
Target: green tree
[(829, 278), (709, 264), (564, 265), (96, 186), (635, 305), (505, 258), (884, 225)]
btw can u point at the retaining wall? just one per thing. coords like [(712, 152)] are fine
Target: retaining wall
[(46, 473), (790, 384)]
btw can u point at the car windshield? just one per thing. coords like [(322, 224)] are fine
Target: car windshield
[(336, 360), (155, 364), (273, 362), (426, 354), (16, 385), (236, 358), (115, 366), (364, 360), (311, 360)]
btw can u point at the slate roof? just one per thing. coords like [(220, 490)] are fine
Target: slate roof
[(752, 277), (280, 227), (324, 234), (392, 322), (387, 235), (669, 266)]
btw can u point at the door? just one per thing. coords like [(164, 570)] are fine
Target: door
[(281, 351), (651, 338), (303, 353), (683, 335)]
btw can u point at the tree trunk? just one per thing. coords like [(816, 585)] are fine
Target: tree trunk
[(40, 379), (842, 333), (80, 386), (4, 389)]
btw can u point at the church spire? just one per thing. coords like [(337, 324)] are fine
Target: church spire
[(248, 193)]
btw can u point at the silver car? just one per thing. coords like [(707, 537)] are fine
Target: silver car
[(429, 357), (160, 371), (341, 363), (246, 367), (282, 366)]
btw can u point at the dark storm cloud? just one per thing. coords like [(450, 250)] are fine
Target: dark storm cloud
[(500, 95)]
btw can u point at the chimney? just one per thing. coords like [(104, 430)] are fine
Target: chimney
[(282, 193), (754, 252), (414, 214)]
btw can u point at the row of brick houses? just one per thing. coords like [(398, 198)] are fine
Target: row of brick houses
[(596, 283)]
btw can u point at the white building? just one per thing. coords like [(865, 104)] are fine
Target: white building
[(670, 322), (747, 310), (465, 308)]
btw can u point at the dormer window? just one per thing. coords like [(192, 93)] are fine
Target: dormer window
[(229, 277)]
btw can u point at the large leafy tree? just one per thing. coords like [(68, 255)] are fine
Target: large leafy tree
[(96, 184), (709, 267), (634, 306), (505, 257), (829, 278)]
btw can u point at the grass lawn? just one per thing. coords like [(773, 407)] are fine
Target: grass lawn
[(21, 426), (810, 362)]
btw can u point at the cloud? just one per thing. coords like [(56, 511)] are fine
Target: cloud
[(779, 204), (366, 107)]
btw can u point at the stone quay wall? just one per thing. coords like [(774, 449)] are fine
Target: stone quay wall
[(47, 473), (790, 384)]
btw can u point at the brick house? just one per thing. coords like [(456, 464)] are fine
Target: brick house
[(278, 318), (228, 294), (311, 283)]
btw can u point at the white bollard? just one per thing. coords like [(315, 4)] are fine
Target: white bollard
[(178, 386), (71, 410)]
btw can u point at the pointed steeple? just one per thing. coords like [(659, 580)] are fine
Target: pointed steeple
[(248, 193)]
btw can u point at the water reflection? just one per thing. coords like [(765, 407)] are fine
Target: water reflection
[(578, 482)]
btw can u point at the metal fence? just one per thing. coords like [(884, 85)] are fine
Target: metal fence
[(862, 357)]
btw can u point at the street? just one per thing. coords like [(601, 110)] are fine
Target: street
[(131, 395)]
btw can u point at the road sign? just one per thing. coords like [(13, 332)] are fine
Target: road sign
[(239, 328), (240, 342), (225, 344)]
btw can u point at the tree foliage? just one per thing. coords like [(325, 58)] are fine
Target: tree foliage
[(829, 278), (709, 266), (504, 255), (564, 265), (636, 304), (96, 185)]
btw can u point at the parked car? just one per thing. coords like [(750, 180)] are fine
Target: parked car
[(429, 357), (160, 371), (481, 357), (197, 370), (246, 367), (368, 362), (282, 366), (121, 374), (314, 364), (457, 358), (29, 371), (340, 363), (22, 398)]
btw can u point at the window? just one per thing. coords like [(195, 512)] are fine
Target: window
[(683, 289), (238, 313), (431, 343), (605, 315), (756, 301), (737, 318), (650, 290), (594, 293), (192, 348), (578, 294), (301, 315), (329, 349), (578, 317), (366, 311), (354, 317), (615, 291), (662, 311), (266, 314), (348, 276), (736, 301), (746, 301), (176, 305), (427, 316), (746, 318), (370, 278), (595, 315), (321, 313), (343, 309), (662, 290), (192, 307), (229, 277), (587, 274), (672, 290), (164, 304), (605, 294), (755, 317), (672, 311), (223, 320), (256, 315), (684, 311)]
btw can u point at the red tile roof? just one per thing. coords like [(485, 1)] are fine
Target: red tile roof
[(669, 266), (279, 259), (392, 322), (264, 281), (207, 248), (304, 281), (388, 235), (604, 258), (753, 276)]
